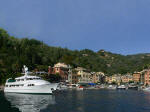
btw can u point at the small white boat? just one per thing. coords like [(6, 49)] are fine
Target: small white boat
[(133, 87), (111, 87), (121, 87), (147, 89), (29, 84), (79, 88), (72, 86), (63, 87)]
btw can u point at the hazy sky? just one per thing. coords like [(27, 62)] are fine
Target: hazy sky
[(119, 26)]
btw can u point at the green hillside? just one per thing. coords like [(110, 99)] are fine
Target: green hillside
[(14, 53)]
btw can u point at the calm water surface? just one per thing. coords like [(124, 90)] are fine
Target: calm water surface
[(78, 101)]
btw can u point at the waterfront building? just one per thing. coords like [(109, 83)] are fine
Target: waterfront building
[(70, 75), (145, 77), (109, 79), (84, 76), (97, 77), (106, 79), (126, 78), (74, 78), (116, 78), (137, 77), (61, 69)]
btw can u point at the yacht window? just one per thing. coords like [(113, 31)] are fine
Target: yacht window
[(36, 78), (22, 85), (6, 85), (22, 79), (11, 80), (29, 79), (18, 79), (33, 78), (30, 84)]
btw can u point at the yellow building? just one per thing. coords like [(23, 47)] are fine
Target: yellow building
[(126, 78), (83, 75), (113, 78)]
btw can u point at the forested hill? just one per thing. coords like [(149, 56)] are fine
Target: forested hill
[(14, 53)]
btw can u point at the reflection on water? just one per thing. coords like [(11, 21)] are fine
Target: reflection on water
[(30, 102), (78, 101)]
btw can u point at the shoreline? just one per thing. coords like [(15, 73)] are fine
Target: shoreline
[(1, 87)]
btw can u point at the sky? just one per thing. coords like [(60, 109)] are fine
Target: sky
[(118, 26)]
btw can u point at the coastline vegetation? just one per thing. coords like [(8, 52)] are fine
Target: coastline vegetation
[(16, 52)]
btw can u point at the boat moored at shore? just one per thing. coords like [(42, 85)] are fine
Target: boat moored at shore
[(121, 87), (29, 84)]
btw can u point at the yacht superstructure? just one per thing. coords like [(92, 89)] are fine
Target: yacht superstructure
[(29, 84)]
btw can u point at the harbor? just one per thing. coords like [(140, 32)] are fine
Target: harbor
[(74, 78), (74, 56)]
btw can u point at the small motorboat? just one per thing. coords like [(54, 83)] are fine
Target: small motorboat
[(133, 87), (111, 87), (147, 89), (121, 87), (79, 88)]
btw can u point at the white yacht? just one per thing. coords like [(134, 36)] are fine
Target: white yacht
[(29, 84)]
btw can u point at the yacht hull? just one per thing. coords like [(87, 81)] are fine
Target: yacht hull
[(37, 89), (54, 86)]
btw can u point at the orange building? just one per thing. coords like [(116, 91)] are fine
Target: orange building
[(146, 77), (136, 77)]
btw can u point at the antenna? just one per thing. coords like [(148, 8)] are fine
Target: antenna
[(25, 70)]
